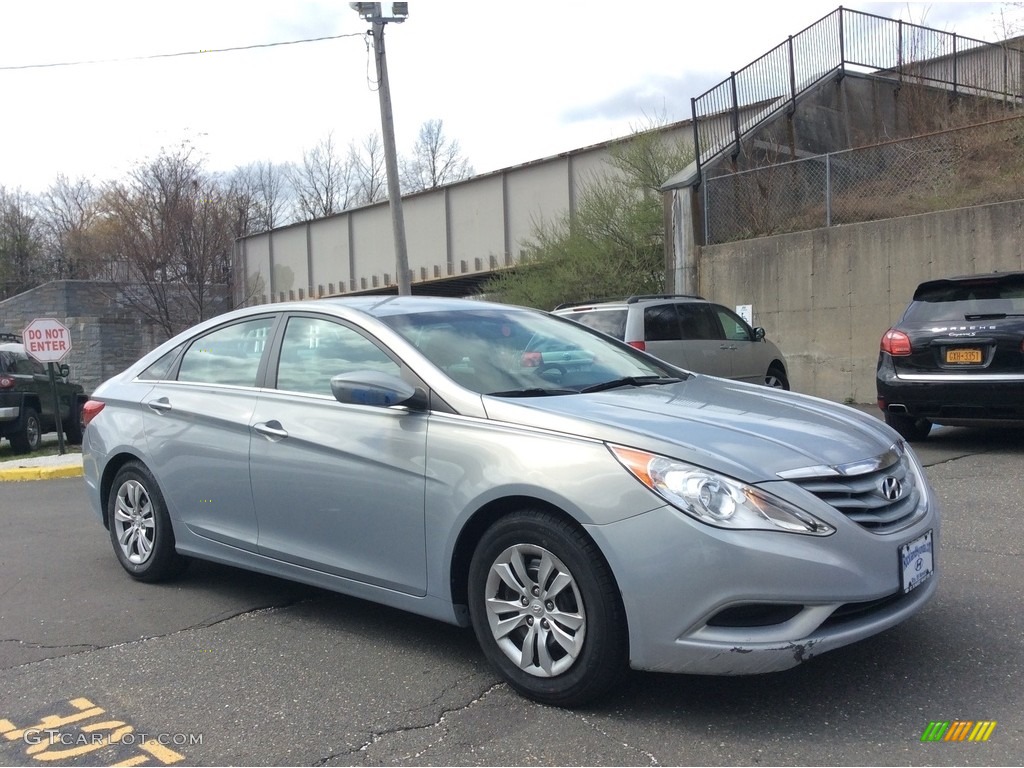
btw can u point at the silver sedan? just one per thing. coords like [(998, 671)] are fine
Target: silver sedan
[(443, 457)]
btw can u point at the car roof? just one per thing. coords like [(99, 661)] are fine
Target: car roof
[(637, 299)]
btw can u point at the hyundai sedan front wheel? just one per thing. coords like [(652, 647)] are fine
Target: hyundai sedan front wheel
[(546, 609)]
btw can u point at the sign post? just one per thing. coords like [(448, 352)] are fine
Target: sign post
[(48, 340)]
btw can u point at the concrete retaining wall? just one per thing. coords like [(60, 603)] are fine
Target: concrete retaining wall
[(826, 296)]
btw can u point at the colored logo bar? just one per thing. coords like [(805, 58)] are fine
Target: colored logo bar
[(958, 730)]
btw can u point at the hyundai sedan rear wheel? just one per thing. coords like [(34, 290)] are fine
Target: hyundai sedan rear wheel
[(140, 528), (546, 609)]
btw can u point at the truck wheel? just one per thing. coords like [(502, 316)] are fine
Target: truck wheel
[(73, 424), (30, 437)]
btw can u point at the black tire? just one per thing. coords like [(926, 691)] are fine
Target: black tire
[(73, 425), (140, 529), (776, 378), (30, 437), (911, 429), (585, 609)]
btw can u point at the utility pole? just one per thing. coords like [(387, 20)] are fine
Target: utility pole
[(372, 12)]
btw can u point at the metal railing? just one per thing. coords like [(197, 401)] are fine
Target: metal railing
[(855, 41), (960, 167)]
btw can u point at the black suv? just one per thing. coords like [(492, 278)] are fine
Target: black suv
[(26, 399), (956, 356)]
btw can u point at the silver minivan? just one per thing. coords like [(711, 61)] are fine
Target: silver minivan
[(690, 332)]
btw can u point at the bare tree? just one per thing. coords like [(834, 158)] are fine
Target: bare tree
[(435, 160), (260, 195), (20, 244), (68, 211), (322, 182), (169, 229), (371, 178)]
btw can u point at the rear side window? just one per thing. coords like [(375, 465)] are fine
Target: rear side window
[(698, 322), (228, 355), (661, 323), (610, 321), (14, 359)]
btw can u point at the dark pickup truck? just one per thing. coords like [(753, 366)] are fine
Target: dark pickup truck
[(26, 399)]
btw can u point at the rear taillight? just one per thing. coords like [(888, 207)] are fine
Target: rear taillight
[(896, 343), (638, 344), (90, 410), (6, 382)]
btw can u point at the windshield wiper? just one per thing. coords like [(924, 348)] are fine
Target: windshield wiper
[(630, 381), (993, 316), (533, 392)]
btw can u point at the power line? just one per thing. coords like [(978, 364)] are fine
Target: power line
[(180, 53)]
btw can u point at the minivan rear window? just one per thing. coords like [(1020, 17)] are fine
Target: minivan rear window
[(610, 321)]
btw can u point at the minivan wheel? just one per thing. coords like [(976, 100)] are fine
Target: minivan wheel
[(546, 610), (776, 378), (909, 427), (140, 528)]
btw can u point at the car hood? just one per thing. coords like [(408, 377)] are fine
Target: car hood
[(748, 431)]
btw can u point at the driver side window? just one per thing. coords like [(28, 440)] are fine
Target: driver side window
[(315, 349)]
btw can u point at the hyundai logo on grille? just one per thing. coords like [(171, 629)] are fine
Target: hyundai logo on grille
[(892, 488)]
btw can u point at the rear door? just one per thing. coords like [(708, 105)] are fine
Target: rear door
[(197, 431), (697, 344), (966, 329)]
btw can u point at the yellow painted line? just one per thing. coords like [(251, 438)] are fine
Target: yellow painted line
[(17, 474)]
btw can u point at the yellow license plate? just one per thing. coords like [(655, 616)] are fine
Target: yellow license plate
[(963, 356)]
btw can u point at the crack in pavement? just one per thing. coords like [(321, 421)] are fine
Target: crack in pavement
[(87, 647), (377, 737), (594, 727)]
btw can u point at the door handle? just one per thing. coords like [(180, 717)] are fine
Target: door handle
[(272, 430), (160, 405)]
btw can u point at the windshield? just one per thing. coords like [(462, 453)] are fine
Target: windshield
[(520, 352)]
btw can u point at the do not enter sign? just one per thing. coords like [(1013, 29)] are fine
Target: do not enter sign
[(47, 340)]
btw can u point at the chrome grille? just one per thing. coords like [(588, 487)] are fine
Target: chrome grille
[(883, 495)]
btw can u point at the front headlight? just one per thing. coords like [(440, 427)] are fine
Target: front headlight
[(716, 499)]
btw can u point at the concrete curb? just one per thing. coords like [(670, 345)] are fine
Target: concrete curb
[(16, 474)]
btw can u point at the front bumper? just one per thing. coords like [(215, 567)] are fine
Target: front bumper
[(824, 592)]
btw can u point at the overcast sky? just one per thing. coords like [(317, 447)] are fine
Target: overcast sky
[(513, 80)]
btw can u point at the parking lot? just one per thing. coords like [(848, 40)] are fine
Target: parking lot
[(227, 667)]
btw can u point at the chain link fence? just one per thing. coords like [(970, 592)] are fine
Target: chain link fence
[(955, 168)]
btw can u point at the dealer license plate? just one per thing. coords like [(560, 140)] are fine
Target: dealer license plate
[(963, 355), (916, 561)]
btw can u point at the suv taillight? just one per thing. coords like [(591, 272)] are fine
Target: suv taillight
[(896, 343), (90, 410), (6, 382), (638, 344)]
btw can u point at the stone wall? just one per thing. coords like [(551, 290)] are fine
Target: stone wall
[(106, 335)]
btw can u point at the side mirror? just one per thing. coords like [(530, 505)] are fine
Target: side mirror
[(371, 388), (759, 333)]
